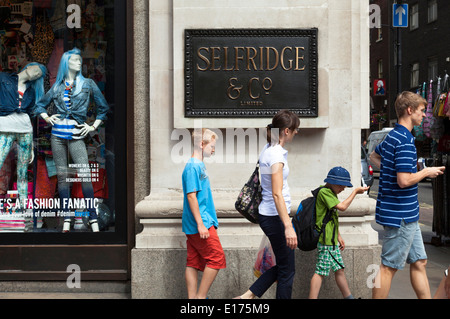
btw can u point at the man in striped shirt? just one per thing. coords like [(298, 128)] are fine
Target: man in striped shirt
[(397, 206)]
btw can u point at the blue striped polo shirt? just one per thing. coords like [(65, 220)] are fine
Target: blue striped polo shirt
[(398, 154)]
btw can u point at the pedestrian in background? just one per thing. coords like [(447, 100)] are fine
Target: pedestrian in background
[(275, 207), (397, 207), (443, 291), (199, 219)]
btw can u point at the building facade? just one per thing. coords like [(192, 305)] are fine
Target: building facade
[(343, 110), (136, 54), (409, 58)]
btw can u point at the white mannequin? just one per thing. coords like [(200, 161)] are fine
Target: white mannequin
[(16, 126), (74, 68)]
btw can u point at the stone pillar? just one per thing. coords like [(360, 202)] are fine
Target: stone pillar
[(331, 139)]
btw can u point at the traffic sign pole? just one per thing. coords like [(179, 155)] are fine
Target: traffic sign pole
[(398, 11)]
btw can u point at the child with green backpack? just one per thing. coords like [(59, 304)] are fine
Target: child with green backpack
[(331, 243)]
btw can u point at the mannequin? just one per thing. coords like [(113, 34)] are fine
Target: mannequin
[(18, 96), (71, 94)]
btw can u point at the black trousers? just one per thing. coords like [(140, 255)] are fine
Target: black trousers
[(284, 270)]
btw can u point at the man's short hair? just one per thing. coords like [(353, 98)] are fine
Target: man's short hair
[(408, 99)]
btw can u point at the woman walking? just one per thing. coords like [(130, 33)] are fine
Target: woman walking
[(275, 207)]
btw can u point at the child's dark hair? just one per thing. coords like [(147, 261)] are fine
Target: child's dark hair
[(283, 119)]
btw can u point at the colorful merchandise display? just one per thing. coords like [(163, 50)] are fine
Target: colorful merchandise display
[(57, 170)]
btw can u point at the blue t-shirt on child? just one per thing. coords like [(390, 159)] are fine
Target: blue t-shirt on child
[(195, 179)]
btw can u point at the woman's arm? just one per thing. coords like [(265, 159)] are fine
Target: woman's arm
[(277, 194)]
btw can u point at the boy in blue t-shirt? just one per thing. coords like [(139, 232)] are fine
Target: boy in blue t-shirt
[(199, 220)]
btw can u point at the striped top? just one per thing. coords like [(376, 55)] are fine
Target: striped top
[(398, 154), (66, 128)]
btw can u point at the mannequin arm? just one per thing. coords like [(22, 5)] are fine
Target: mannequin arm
[(50, 119), (86, 128)]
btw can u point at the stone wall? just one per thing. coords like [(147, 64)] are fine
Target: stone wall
[(331, 139)]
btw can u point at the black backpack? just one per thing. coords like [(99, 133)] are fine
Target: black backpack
[(304, 222)]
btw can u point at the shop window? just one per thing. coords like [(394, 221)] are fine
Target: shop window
[(433, 68), (380, 68), (432, 10), (414, 17), (414, 80), (60, 141)]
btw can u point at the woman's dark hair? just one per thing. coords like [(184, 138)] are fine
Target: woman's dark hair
[(283, 119)]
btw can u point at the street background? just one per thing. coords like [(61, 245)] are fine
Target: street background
[(438, 256)]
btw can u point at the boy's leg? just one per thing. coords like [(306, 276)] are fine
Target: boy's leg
[(323, 266), (341, 282), (208, 277), (337, 263), (204, 255), (316, 283), (194, 263), (417, 258), (419, 279), (397, 245), (384, 278), (191, 282)]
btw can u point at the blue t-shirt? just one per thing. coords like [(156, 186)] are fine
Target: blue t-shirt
[(398, 154), (195, 179)]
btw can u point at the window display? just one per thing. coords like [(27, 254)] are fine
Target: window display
[(57, 96)]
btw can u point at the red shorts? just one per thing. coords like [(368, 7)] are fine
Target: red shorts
[(203, 253)]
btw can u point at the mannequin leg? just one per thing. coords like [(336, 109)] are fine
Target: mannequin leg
[(6, 140), (78, 154), (60, 156), (24, 143)]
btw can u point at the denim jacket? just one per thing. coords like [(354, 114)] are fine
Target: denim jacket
[(9, 96), (80, 102)]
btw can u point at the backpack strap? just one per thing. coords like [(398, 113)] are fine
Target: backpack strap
[(327, 218), (325, 221), (342, 266)]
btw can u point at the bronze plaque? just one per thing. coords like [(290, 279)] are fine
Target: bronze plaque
[(250, 73)]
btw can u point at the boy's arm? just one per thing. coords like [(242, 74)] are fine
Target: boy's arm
[(342, 206), (375, 159), (341, 242), (193, 205), (408, 179)]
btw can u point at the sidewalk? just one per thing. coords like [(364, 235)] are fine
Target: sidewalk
[(62, 295)]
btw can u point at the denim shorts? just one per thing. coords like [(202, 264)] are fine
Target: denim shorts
[(401, 245)]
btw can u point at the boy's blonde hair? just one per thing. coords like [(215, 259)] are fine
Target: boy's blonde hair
[(408, 99), (205, 135)]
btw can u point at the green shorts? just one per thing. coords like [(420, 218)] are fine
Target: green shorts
[(328, 257)]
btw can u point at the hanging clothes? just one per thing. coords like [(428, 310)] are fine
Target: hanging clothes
[(418, 129), (428, 111), (436, 124)]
